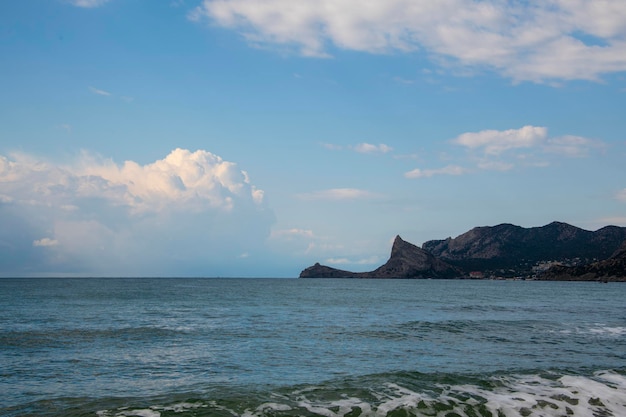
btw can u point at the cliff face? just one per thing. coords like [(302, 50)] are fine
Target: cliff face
[(406, 261), (507, 246), (612, 269)]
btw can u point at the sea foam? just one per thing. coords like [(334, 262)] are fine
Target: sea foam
[(547, 395)]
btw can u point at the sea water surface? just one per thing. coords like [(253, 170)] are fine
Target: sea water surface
[(306, 347)]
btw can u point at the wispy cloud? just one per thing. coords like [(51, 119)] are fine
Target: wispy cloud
[(572, 146), (104, 93), (495, 165), (621, 195), (332, 146), (290, 233), (364, 147), (99, 92), (88, 3), (523, 41), (339, 194), (66, 126), (369, 148), (427, 173), (405, 81)]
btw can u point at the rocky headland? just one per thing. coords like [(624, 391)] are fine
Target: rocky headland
[(406, 261), (557, 251)]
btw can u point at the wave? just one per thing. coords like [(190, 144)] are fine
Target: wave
[(398, 394)]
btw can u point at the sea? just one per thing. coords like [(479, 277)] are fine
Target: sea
[(151, 347)]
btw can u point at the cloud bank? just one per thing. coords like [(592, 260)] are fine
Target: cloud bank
[(190, 213), (525, 41)]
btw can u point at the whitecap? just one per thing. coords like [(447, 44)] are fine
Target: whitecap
[(608, 330)]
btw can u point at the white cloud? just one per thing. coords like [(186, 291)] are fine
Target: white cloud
[(526, 41), (46, 241), (193, 180), (500, 149), (495, 142), (99, 92), (369, 148), (188, 211), (621, 195), (427, 173), (339, 194), (88, 3), (572, 146)]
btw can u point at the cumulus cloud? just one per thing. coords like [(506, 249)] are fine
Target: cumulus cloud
[(427, 173), (339, 194), (190, 211), (525, 41)]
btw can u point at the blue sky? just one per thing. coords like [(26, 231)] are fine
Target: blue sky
[(254, 138)]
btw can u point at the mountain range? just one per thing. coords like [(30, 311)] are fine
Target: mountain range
[(504, 250)]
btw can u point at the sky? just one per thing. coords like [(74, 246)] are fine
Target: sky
[(253, 138)]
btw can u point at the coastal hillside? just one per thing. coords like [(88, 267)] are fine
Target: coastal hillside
[(502, 251), (512, 250), (612, 269)]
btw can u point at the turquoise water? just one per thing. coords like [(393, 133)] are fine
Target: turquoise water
[(257, 347)]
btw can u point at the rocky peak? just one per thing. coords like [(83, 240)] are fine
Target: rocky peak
[(406, 261), (400, 246)]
